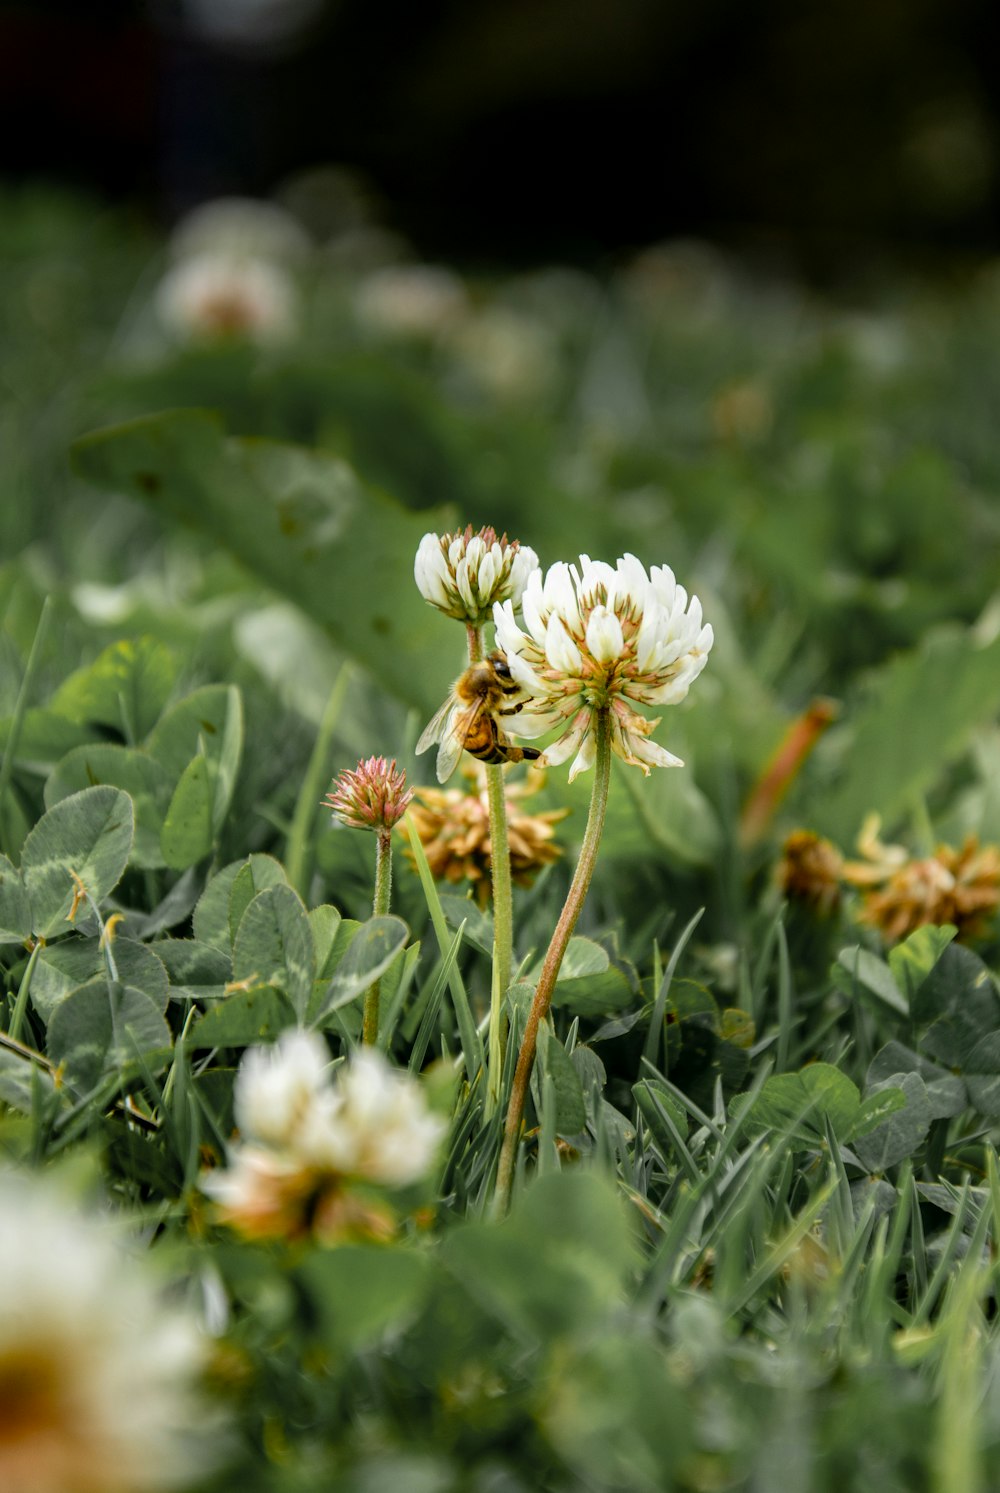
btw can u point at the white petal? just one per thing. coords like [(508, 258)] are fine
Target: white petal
[(570, 740), (604, 636), (533, 607), (560, 650), (489, 572), (429, 570), (650, 635), (585, 756)]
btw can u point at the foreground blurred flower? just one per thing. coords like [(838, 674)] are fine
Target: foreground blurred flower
[(465, 574), (311, 1139), (220, 296), (454, 829), (372, 796), (97, 1376), (599, 638)]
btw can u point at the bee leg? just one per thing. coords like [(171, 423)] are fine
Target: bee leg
[(512, 709)]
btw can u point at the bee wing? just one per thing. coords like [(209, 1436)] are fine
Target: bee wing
[(437, 725), (454, 737)]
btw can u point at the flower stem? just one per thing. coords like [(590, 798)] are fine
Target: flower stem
[(503, 907), (380, 906), (553, 959)]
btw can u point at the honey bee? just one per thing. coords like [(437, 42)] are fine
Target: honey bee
[(467, 721)]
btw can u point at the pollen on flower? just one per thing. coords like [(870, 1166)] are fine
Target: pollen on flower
[(371, 796), (597, 637), (465, 574), (454, 828)]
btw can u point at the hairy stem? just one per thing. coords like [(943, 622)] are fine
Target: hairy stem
[(553, 959), (380, 906)]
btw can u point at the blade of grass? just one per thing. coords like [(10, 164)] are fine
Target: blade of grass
[(298, 847)]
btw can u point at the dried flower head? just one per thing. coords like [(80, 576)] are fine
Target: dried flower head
[(221, 296), (454, 829), (465, 574), (810, 871), (98, 1377), (603, 637), (372, 796), (310, 1137), (961, 887)]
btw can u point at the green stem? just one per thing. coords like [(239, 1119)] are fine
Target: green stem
[(380, 906), (553, 959), (503, 907)]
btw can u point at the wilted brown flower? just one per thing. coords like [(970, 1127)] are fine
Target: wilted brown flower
[(454, 829), (961, 887), (810, 870), (373, 796)]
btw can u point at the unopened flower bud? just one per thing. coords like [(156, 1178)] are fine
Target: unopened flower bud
[(465, 574), (374, 796)]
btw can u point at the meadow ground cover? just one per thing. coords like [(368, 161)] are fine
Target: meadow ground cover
[(664, 1159)]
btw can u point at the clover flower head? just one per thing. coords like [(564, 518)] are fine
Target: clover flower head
[(466, 574), (312, 1137), (371, 796), (218, 296), (411, 300), (98, 1376), (602, 637)]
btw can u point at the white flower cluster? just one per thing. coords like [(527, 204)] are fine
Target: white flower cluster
[(97, 1376), (231, 277), (601, 637), (304, 1128), (465, 574)]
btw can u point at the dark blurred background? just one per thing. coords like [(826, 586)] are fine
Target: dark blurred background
[(511, 131)]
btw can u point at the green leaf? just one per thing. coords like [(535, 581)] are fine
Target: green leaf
[(858, 969), (188, 832), (372, 950), (211, 914), (658, 1106), (325, 923), (45, 737), (89, 834), (139, 775), (254, 875), (803, 1103), (15, 906), (195, 724), (571, 1115), (19, 1078), (912, 961), (275, 946), (342, 552), (62, 967), (196, 971), (242, 1017), (126, 687), (903, 1131), (588, 982), (558, 1264), (669, 812), (900, 741), (99, 1029), (360, 1292), (945, 1090)]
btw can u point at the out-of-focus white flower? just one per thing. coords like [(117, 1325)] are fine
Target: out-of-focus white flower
[(465, 574), (97, 1376), (510, 355), (602, 637), (411, 300), (244, 227), (277, 1087), (374, 1124), (217, 296), (310, 1135)]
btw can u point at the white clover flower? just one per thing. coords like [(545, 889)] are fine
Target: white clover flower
[(411, 300), (465, 574), (214, 296), (601, 637), (277, 1087), (374, 1124), (242, 227), (97, 1375)]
